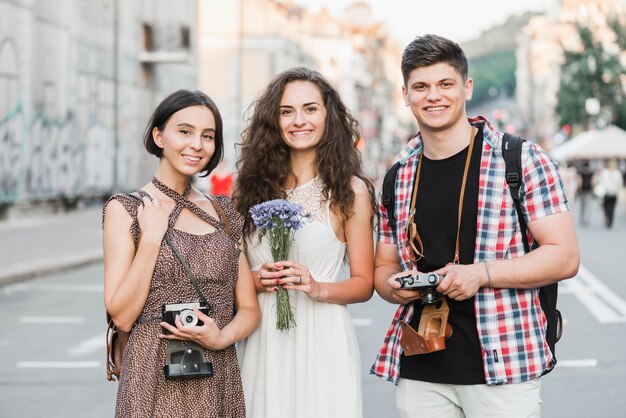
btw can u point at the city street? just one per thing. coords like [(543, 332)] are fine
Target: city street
[(52, 340)]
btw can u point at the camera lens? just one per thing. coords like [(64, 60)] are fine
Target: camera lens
[(188, 318)]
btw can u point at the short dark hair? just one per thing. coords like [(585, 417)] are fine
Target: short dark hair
[(429, 50), (179, 100)]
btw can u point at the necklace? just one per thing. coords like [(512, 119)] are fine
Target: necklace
[(411, 228)]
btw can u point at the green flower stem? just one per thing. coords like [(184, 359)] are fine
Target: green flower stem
[(280, 242), (284, 312)]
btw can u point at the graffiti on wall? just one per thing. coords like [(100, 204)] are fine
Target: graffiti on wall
[(52, 158), (99, 157), (11, 129)]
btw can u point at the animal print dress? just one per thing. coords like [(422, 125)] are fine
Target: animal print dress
[(213, 258)]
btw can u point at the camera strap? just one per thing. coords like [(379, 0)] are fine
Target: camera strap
[(192, 278)]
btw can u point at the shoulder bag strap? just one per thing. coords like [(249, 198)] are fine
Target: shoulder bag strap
[(192, 278), (221, 214)]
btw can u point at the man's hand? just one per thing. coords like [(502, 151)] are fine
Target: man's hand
[(402, 296), (461, 282)]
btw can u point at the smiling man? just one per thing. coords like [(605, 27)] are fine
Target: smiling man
[(481, 350)]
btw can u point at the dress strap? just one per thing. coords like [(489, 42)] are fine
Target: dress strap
[(182, 201)]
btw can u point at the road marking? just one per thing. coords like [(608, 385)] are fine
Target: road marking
[(87, 288), (361, 322), (90, 345), (58, 364), (601, 301), (589, 362), (52, 320)]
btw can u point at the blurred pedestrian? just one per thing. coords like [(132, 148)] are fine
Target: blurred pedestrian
[(454, 216), (569, 175), (610, 183), (300, 145), (585, 191), (144, 279), (221, 180)]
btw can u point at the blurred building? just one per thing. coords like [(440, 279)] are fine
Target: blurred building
[(78, 81), (244, 44), (540, 56)]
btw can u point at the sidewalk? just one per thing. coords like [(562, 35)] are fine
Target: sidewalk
[(48, 243)]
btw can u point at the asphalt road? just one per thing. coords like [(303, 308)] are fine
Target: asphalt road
[(52, 341)]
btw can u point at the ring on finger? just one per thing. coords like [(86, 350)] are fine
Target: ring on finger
[(299, 279)]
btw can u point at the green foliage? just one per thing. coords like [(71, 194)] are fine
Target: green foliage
[(493, 75), (492, 59), (592, 73)]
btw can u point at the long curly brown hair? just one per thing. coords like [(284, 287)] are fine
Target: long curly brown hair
[(264, 164)]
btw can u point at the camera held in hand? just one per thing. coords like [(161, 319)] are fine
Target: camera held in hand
[(424, 282), (185, 359), (185, 312)]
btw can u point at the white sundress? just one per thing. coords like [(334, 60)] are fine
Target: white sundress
[(314, 370)]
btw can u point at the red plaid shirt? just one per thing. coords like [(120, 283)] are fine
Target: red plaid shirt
[(511, 325)]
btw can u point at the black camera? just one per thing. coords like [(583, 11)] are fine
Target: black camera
[(424, 282), (185, 312)]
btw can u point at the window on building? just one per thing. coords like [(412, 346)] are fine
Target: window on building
[(185, 37), (148, 37), (9, 76)]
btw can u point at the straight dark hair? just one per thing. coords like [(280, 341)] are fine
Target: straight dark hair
[(176, 101), (430, 49)]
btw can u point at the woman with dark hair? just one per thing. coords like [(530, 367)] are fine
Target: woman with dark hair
[(145, 280), (300, 145)]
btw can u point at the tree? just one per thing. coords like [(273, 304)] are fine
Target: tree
[(593, 73)]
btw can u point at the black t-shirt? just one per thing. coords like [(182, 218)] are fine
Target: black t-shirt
[(436, 220)]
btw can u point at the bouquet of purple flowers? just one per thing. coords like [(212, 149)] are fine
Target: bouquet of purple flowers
[(280, 219)]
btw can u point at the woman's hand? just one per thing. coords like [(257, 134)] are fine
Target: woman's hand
[(208, 335), (269, 276), (153, 220), (294, 276)]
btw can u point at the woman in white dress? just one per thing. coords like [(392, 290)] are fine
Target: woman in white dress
[(300, 145)]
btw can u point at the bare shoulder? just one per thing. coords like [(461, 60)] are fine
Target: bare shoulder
[(359, 187), (114, 212)]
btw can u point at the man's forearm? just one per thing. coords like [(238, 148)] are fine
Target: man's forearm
[(381, 274)]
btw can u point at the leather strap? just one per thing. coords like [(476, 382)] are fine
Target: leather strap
[(411, 228), (222, 215)]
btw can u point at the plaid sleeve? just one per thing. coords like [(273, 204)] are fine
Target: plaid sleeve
[(385, 234), (544, 192)]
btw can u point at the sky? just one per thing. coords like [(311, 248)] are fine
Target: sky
[(459, 20)]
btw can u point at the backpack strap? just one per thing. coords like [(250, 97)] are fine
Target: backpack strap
[(388, 195), (512, 154)]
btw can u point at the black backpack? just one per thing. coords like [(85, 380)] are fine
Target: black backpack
[(512, 154)]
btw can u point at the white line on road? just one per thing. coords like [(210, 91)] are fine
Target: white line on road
[(589, 362), (58, 364), (91, 345), (52, 320), (91, 288), (361, 322), (601, 301)]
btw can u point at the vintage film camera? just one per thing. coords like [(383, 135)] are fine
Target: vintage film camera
[(425, 283), (185, 359), (185, 310)]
